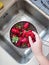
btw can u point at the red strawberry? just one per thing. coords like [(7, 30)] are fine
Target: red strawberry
[(26, 25), (18, 28), (26, 35), (33, 36), (18, 44), (29, 30), (24, 40), (20, 38), (28, 45), (34, 40), (15, 31), (30, 33), (23, 33), (13, 35), (23, 44)]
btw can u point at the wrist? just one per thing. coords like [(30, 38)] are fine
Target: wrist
[(39, 55), (42, 59)]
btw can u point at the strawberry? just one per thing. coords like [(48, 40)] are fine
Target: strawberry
[(23, 45), (28, 33), (24, 40), (13, 35), (33, 36), (15, 31), (17, 28), (29, 30), (20, 38), (18, 44), (28, 45), (26, 25), (34, 40), (23, 33)]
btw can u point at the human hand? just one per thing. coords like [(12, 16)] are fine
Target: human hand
[(37, 45), (37, 49)]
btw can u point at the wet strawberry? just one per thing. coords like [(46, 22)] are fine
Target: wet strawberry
[(33, 36), (24, 33), (18, 44), (26, 25), (28, 33), (17, 28), (20, 38), (15, 31), (28, 45), (23, 44), (29, 30), (24, 40), (34, 40), (13, 35)]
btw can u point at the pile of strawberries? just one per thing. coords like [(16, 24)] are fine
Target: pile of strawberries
[(19, 35)]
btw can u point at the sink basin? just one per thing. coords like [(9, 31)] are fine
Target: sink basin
[(22, 15)]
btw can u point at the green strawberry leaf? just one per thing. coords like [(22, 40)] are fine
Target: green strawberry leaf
[(17, 25), (24, 45), (15, 39)]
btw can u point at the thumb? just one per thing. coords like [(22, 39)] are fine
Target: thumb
[(30, 41)]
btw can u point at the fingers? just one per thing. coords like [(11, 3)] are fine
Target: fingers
[(37, 39), (36, 36), (30, 41)]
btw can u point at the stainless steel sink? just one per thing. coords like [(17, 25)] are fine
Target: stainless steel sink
[(14, 15)]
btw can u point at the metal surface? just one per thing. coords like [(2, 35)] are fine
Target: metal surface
[(42, 4), (21, 16), (26, 14), (45, 3), (36, 12)]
